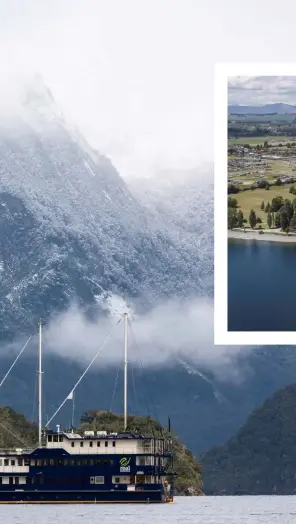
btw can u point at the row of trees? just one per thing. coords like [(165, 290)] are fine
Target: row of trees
[(281, 213), (260, 184)]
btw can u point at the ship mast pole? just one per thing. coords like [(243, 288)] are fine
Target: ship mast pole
[(125, 371), (40, 387)]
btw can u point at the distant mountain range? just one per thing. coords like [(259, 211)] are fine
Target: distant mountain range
[(266, 109), (261, 458)]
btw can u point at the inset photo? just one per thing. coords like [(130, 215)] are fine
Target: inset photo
[(255, 205)]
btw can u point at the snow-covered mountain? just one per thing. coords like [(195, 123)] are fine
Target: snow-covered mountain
[(183, 201), (71, 229)]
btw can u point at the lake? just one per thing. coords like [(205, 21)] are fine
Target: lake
[(188, 510), (261, 286)]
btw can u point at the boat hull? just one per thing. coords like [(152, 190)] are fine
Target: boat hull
[(78, 497)]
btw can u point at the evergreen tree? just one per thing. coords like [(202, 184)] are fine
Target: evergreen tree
[(232, 218), (289, 208), (269, 220), (277, 219), (240, 218), (293, 223), (284, 219), (262, 205), (277, 203), (267, 207), (252, 218)]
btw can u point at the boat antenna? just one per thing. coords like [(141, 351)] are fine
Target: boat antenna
[(40, 387), (125, 371), (73, 409)]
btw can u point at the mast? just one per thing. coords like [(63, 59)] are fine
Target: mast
[(40, 387), (125, 371)]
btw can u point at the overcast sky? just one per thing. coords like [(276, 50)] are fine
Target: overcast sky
[(257, 90), (137, 76)]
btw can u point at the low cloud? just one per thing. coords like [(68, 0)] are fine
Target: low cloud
[(163, 336)]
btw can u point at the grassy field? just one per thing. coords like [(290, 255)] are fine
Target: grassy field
[(248, 200), (271, 172), (254, 140)]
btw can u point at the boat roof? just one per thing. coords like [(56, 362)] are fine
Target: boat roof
[(107, 436)]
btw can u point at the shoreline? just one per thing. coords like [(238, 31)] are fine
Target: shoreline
[(265, 237)]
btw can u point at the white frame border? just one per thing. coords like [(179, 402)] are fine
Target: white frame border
[(221, 335)]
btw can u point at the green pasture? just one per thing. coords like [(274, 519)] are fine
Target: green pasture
[(248, 200)]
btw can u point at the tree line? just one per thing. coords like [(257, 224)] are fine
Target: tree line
[(281, 213)]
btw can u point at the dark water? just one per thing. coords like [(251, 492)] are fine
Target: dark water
[(195, 510), (261, 286)]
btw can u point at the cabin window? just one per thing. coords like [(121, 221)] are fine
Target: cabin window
[(33, 462), (90, 444), (72, 462), (55, 438), (0, 480), (114, 444), (140, 461), (117, 480), (12, 463), (16, 480), (66, 462), (39, 463), (0, 462), (72, 444), (51, 462), (49, 438), (61, 438), (98, 443), (81, 444), (20, 462), (106, 444), (10, 480), (26, 462), (6, 462), (99, 480)]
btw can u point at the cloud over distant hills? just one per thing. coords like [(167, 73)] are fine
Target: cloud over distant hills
[(257, 90)]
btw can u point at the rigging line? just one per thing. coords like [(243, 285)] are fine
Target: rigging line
[(83, 374), (15, 361), (14, 435), (115, 386), (143, 377)]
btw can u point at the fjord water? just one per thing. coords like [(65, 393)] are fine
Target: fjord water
[(261, 286), (189, 510)]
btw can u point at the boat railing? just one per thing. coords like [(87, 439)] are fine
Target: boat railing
[(14, 451)]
